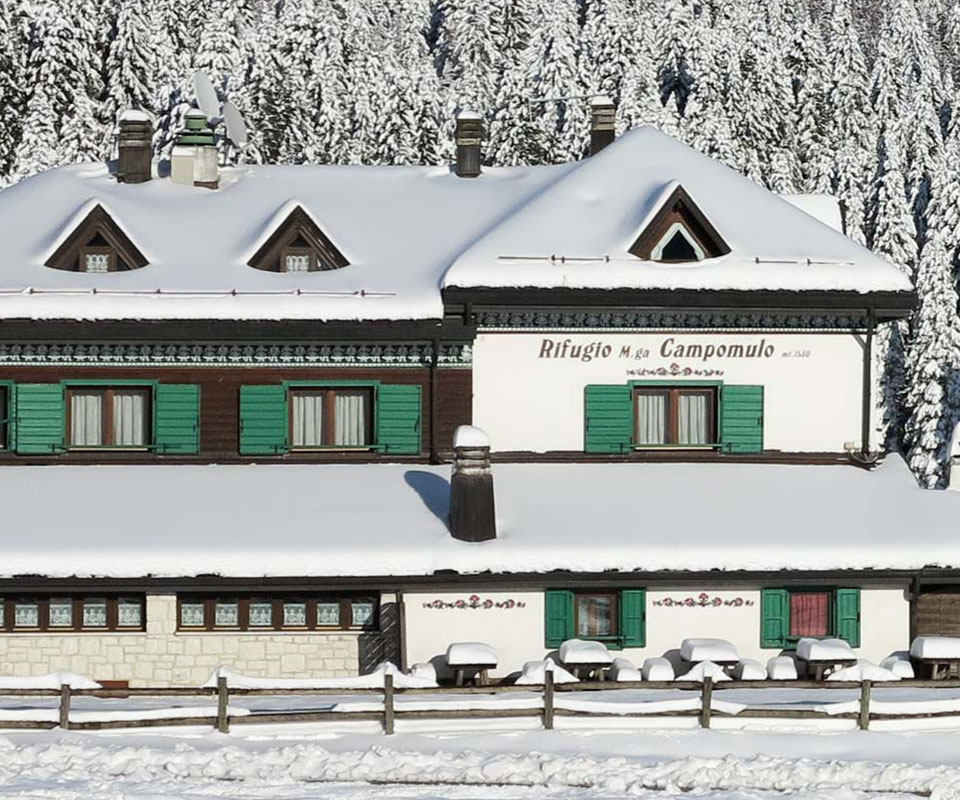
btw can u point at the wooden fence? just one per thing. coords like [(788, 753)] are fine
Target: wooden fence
[(392, 711)]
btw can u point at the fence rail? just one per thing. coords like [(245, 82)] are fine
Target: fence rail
[(548, 712)]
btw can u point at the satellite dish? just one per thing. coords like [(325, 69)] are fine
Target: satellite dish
[(236, 127), (206, 95)]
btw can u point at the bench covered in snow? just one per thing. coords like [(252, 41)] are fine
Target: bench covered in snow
[(583, 657), (471, 657), (719, 651), (937, 656), (820, 657)]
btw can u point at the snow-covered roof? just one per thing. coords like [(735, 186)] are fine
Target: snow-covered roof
[(378, 520), (398, 227), (408, 231), (822, 207), (598, 210)]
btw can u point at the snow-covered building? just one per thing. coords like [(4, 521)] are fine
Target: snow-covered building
[(334, 326)]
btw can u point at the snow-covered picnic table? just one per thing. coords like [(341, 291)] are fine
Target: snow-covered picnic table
[(583, 657), (476, 658), (717, 651), (935, 655), (821, 657)]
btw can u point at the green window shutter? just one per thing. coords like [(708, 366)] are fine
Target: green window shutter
[(398, 418), (774, 617), (40, 418), (263, 419), (607, 418), (633, 617), (558, 617), (741, 418), (846, 613), (176, 418)]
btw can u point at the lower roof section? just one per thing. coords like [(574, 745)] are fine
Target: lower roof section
[(376, 520)]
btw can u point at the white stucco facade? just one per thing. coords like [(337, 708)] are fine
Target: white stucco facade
[(529, 387), (515, 627)]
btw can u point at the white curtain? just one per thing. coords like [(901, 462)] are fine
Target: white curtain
[(351, 418), (86, 417), (693, 424), (307, 419), (129, 419), (651, 418)]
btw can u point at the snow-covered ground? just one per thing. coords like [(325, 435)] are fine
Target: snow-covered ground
[(294, 765)]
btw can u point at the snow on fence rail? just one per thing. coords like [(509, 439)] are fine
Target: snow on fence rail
[(701, 704)]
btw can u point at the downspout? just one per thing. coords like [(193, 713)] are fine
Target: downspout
[(434, 361), (865, 456)]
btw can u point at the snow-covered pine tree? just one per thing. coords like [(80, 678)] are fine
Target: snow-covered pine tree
[(13, 90), (805, 60), (60, 124), (560, 111), (131, 66), (850, 135), (608, 47), (679, 50), (468, 54)]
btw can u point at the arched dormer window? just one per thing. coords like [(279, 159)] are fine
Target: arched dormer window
[(96, 245), (679, 232), (297, 245)]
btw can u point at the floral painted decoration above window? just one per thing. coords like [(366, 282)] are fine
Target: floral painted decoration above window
[(474, 602), (702, 600)]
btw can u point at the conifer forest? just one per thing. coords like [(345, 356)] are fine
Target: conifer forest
[(857, 98)]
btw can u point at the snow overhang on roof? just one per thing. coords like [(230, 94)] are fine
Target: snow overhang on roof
[(578, 233), (410, 231), (587, 518)]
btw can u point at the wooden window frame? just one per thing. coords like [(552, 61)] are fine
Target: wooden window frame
[(673, 392), (614, 596), (329, 394), (277, 601), (77, 601), (96, 250), (106, 411), (831, 593), (677, 228), (298, 251)]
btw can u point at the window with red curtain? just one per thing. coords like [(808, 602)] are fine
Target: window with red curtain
[(810, 614)]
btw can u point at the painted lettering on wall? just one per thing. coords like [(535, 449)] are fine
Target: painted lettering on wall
[(566, 349)]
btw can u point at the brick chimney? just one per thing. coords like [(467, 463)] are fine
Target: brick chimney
[(472, 513), (468, 136), (603, 127), (134, 147)]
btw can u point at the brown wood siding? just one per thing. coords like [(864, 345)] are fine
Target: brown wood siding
[(220, 404), (937, 613)]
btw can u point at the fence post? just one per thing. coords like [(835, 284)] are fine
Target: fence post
[(388, 709), (548, 700), (706, 700), (65, 706), (864, 721), (223, 696)]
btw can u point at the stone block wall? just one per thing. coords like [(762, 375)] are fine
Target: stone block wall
[(163, 657)]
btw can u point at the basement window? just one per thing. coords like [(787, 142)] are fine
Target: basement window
[(72, 614), (280, 613)]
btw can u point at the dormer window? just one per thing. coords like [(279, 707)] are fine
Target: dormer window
[(679, 233), (298, 245), (677, 244), (97, 259), (97, 246)]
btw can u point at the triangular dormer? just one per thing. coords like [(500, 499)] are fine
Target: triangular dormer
[(679, 232), (297, 245), (96, 244)]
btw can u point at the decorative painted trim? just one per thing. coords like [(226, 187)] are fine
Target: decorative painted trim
[(203, 354), (474, 603), (702, 600), (666, 320)]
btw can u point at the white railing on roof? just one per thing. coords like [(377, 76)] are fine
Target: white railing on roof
[(225, 293)]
